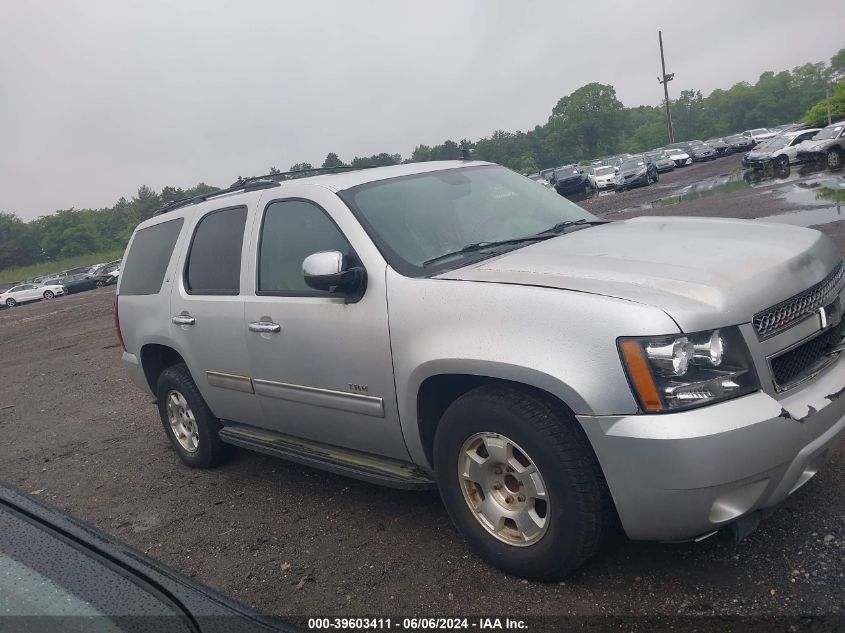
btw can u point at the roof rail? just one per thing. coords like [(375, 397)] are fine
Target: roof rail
[(253, 183), (239, 185)]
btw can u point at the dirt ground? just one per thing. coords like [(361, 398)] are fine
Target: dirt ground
[(296, 541)]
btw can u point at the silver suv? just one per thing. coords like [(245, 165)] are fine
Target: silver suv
[(452, 324)]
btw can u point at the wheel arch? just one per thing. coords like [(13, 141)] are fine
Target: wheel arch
[(155, 358), (446, 381)]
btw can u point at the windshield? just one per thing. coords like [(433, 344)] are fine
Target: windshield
[(604, 171), (632, 163), (421, 217), (776, 143), (830, 131)]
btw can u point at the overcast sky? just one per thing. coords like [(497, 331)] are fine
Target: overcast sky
[(100, 96)]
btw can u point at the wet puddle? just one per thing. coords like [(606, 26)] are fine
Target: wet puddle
[(789, 184), (826, 199)]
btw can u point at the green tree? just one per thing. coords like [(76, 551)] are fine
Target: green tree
[(332, 161), (817, 115), (585, 123)]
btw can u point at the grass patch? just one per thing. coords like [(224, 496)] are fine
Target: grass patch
[(19, 273)]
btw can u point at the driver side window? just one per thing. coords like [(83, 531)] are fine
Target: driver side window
[(291, 231)]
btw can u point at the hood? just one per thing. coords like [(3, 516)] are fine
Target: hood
[(703, 272), (630, 171)]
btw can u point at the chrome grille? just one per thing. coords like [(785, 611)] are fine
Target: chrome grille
[(787, 313)]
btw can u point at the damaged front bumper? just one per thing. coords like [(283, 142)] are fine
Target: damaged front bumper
[(678, 476)]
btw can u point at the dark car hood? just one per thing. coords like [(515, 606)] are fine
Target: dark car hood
[(703, 272)]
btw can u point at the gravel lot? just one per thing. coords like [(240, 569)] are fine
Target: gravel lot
[(296, 541)]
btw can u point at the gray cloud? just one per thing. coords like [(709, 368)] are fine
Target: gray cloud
[(100, 96)]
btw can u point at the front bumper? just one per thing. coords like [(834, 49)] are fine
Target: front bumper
[(682, 475)]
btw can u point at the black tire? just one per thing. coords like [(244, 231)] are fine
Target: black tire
[(98, 284), (782, 161), (657, 176), (211, 450), (578, 500), (48, 294), (11, 303), (834, 158)]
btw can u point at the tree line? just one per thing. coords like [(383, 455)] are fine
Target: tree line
[(588, 123)]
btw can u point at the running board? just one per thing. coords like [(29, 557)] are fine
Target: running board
[(377, 470)]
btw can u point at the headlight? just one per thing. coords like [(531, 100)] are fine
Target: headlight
[(682, 371)]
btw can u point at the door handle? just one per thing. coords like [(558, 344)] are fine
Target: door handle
[(183, 319), (265, 327)]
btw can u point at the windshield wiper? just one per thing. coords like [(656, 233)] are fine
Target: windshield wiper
[(560, 227), (480, 246)]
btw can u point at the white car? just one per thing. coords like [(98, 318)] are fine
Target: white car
[(760, 134), (602, 177), (30, 292), (780, 151), (680, 157)]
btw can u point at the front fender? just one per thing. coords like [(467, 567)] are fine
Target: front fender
[(560, 341)]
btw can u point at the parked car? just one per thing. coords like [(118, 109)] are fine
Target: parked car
[(570, 179), (680, 157), (780, 151), (69, 576), (739, 143), (636, 171), (722, 148), (828, 144), (701, 151), (590, 370), (661, 161), (760, 134), (25, 293), (697, 153), (80, 283), (107, 276), (602, 177)]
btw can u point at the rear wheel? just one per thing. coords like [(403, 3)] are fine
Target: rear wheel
[(48, 294), (520, 481), (11, 302), (189, 423)]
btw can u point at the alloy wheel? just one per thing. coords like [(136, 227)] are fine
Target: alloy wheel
[(182, 421), (504, 489)]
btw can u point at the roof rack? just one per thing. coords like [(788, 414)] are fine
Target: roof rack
[(254, 183)]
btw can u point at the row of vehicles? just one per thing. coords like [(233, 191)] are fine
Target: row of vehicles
[(62, 283), (803, 145), (779, 145)]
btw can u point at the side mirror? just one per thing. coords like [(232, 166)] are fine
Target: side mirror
[(328, 271)]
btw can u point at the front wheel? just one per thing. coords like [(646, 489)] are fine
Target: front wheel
[(98, 284), (782, 161), (834, 158), (48, 294), (189, 423), (520, 481)]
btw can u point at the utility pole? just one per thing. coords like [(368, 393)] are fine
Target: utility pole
[(665, 81), (827, 95)]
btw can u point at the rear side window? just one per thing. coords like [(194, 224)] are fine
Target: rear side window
[(148, 257), (214, 260)]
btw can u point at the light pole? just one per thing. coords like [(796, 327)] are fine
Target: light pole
[(665, 81)]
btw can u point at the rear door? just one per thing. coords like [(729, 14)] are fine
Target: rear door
[(207, 313)]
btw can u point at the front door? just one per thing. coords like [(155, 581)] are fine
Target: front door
[(321, 365)]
